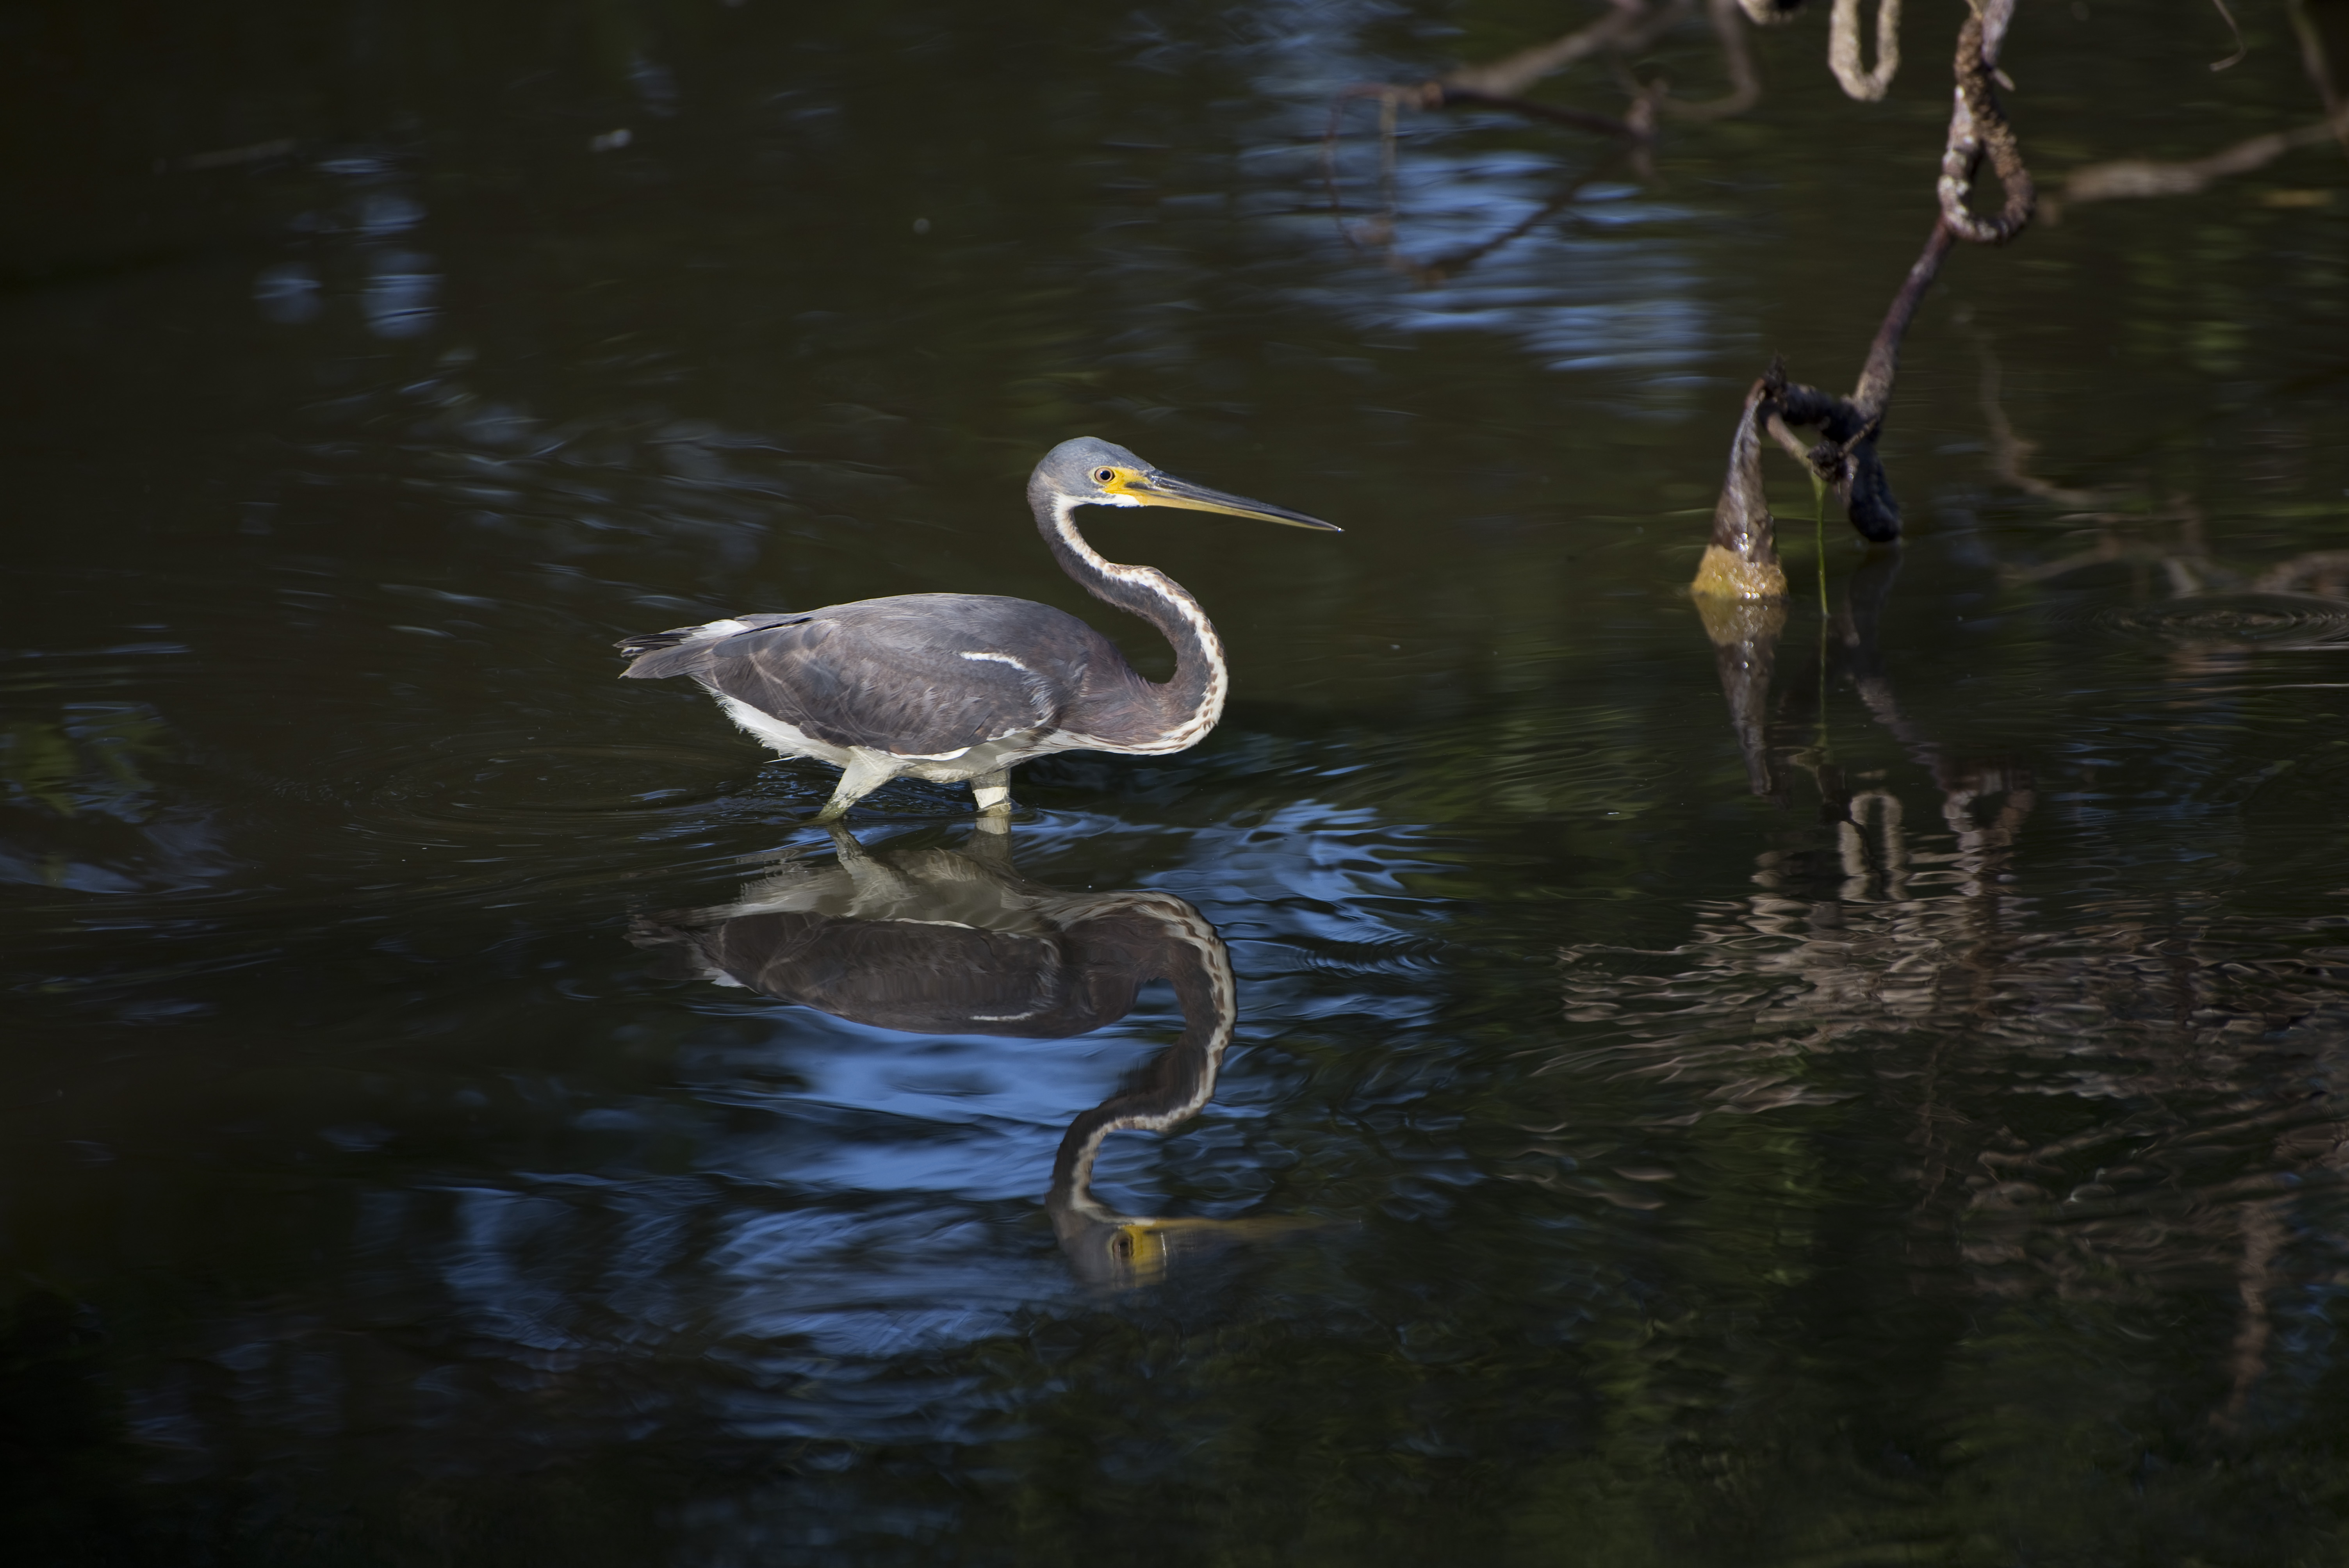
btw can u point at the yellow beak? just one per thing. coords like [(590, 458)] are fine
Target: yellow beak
[(1154, 488)]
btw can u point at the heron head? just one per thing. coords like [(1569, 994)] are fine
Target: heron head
[(1101, 473)]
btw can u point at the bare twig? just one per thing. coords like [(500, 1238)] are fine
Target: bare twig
[(2241, 48), (231, 157), (1744, 85), (1745, 636), (1978, 126), (1630, 26), (1843, 49), (1436, 269), (2263, 1228), (2137, 176), (1445, 96), (1874, 392), (2324, 572), (1741, 559), (2010, 451), (1635, 131), (2182, 558), (2320, 71), (1500, 84), (2144, 177)]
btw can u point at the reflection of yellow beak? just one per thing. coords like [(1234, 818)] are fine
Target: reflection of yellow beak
[(1150, 487), (1144, 1248), (1140, 1250)]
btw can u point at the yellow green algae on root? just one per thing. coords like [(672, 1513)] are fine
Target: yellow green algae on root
[(1724, 574), (1731, 621)]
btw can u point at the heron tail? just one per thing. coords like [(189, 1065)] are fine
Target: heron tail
[(682, 650)]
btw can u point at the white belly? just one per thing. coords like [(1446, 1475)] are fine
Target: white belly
[(787, 739), (954, 767)]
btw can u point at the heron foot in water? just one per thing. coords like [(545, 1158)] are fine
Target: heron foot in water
[(866, 771)]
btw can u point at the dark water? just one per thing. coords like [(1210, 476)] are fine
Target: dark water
[(1935, 1158)]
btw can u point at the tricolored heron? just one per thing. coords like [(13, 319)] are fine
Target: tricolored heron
[(962, 688)]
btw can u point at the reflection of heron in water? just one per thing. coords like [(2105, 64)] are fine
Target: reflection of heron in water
[(938, 942), (960, 687)]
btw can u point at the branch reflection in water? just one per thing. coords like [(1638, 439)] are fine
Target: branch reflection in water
[(955, 942), (2190, 1055)]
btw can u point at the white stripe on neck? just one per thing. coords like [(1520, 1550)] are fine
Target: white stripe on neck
[(1194, 728)]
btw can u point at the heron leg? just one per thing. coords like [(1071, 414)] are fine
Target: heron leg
[(866, 771), (992, 790), (990, 841), (874, 878)]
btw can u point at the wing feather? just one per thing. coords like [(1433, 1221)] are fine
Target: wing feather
[(921, 675)]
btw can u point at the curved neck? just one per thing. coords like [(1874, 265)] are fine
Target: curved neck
[(1179, 1081), (1140, 715)]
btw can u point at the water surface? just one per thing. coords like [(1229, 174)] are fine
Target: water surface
[(456, 1111)]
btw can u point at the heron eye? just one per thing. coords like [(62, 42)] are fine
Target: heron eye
[(1104, 476)]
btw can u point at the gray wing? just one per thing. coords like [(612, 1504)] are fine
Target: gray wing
[(921, 675)]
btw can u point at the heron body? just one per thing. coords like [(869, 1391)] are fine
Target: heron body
[(962, 688)]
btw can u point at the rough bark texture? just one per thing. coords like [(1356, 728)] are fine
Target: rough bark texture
[(1741, 562)]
